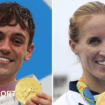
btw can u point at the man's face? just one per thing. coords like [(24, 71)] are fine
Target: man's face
[(13, 49)]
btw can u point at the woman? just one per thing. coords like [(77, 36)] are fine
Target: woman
[(87, 40)]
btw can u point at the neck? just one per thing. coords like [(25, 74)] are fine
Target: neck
[(93, 82), (5, 80)]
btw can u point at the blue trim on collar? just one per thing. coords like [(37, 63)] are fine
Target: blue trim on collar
[(80, 104), (72, 86), (19, 103)]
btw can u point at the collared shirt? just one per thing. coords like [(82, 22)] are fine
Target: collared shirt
[(73, 97)]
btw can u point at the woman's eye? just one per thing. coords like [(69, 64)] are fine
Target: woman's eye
[(95, 41)]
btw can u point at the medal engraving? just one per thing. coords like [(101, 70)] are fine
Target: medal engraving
[(27, 88)]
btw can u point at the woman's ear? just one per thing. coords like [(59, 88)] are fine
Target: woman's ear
[(73, 46)]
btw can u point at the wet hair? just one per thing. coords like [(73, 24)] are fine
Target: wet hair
[(10, 11), (81, 15)]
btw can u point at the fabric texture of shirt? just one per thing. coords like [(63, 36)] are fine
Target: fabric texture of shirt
[(73, 97)]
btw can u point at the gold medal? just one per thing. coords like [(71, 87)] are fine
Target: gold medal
[(27, 88), (101, 99)]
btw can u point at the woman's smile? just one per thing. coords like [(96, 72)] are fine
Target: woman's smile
[(91, 46)]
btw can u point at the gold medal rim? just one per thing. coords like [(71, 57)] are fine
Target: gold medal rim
[(100, 98), (22, 80)]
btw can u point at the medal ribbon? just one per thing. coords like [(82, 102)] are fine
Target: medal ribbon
[(85, 92)]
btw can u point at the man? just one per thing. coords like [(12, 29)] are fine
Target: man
[(16, 35)]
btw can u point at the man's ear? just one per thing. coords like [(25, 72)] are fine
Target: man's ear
[(73, 46), (29, 52)]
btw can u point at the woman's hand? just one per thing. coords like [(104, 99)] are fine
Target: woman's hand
[(42, 99)]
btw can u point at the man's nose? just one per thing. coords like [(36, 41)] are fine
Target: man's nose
[(102, 53), (5, 47)]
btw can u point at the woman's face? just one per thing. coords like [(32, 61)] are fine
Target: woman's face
[(91, 46)]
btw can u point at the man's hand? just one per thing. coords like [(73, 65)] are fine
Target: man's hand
[(42, 99)]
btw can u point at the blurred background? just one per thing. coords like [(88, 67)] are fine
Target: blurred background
[(65, 63)]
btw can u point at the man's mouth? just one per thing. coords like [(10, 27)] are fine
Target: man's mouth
[(100, 62), (5, 59)]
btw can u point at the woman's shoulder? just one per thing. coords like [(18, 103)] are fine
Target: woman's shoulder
[(62, 100), (70, 98)]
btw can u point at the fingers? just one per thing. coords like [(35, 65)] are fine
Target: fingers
[(30, 103), (44, 96), (41, 101)]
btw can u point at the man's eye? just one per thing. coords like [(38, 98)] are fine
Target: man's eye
[(17, 42), (1, 38), (95, 41)]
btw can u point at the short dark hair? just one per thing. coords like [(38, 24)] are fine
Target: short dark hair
[(9, 11)]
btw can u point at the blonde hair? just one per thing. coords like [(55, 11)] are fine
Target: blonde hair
[(83, 14)]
